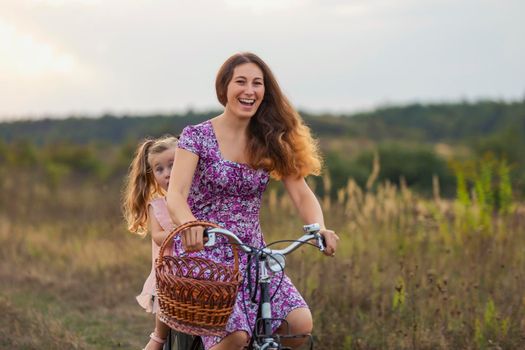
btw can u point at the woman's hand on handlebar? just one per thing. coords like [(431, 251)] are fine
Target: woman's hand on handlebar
[(192, 239), (330, 239)]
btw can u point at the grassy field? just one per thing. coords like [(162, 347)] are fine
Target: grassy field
[(411, 273)]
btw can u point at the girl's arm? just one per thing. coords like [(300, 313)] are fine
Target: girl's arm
[(181, 177), (157, 232), (309, 209)]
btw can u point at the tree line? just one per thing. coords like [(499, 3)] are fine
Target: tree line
[(414, 143)]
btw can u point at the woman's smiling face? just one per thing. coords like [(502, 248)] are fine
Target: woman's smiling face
[(245, 91)]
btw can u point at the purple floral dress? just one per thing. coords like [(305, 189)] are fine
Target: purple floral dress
[(229, 194)]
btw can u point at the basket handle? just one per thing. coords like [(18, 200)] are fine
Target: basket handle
[(187, 225)]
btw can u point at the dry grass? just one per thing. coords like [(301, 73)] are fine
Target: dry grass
[(411, 273)]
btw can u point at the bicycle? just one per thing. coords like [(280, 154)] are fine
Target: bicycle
[(273, 260)]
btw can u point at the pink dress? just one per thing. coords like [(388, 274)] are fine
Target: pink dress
[(148, 297)]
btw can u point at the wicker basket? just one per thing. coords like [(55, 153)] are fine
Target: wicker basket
[(196, 296)]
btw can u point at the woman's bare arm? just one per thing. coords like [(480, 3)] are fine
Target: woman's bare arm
[(181, 178), (309, 209)]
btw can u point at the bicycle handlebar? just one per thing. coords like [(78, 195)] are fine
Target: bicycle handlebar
[(312, 232)]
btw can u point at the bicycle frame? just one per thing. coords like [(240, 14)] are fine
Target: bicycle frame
[(268, 259)]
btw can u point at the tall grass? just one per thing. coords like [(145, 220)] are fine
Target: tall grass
[(410, 272)]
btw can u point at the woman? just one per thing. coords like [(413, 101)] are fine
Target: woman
[(224, 166)]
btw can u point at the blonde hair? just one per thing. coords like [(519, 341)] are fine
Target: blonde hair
[(279, 141), (141, 187)]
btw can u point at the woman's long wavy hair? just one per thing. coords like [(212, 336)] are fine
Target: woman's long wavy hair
[(141, 187), (279, 141)]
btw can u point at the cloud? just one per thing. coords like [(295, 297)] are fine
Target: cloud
[(129, 55), (57, 3), (265, 6), (26, 56)]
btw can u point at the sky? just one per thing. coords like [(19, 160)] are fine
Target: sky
[(88, 57)]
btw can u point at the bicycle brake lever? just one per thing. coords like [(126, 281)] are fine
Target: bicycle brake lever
[(321, 242), (211, 238)]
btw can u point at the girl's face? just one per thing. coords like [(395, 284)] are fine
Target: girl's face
[(245, 91), (161, 164)]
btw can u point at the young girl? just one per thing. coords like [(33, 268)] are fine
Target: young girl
[(145, 209), (225, 164)]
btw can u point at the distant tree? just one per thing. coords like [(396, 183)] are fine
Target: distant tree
[(416, 165)]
